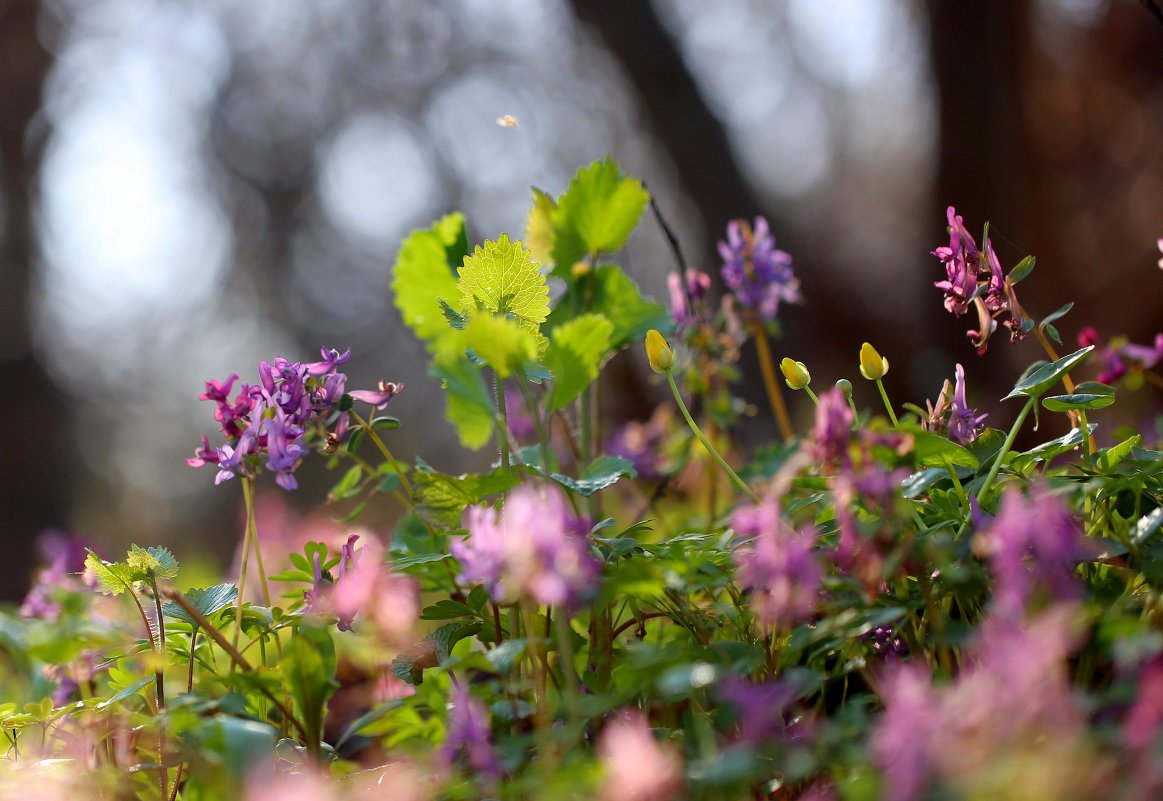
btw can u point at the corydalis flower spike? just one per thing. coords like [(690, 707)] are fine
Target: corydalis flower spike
[(757, 273)]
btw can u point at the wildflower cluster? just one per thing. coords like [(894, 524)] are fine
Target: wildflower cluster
[(898, 603)]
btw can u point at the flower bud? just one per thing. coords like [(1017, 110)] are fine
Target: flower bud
[(658, 352), (580, 268), (795, 373), (873, 366), (845, 387)]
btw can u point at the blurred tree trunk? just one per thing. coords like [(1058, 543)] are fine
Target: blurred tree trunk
[(679, 117), (34, 460)]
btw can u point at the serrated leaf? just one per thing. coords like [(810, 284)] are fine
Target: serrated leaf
[(502, 277), (575, 354), (1088, 395), (503, 344), (1021, 270), (423, 273), (454, 318), (442, 498), (446, 609), (599, 474), (113, 578), (207, 601), (1035, 382), (597, 214), (539, 226)]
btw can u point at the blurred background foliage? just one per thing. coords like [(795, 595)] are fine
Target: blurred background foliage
[(189, 187)]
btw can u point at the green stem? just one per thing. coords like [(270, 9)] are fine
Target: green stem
[(812, 395), (957, 483), (706, 443), (1005, 448), (887, 404), (383, 449), (502, 421), (245, 566), (538, 424), (568, 670), (248, 497)]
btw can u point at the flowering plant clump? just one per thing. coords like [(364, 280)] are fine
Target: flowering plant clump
[(896, 603)]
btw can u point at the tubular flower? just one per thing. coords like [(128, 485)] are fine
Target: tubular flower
[(658, 352), (872, 364), (757, 273), (952, 413)]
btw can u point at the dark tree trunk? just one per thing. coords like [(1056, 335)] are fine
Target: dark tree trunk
[(35, 476)]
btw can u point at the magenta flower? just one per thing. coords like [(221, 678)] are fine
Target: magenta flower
[(526, 550), (331, 359), (1159, 244), (687, 293), (757, 273), (902, 738)]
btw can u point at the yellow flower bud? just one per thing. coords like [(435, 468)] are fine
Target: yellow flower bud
[(580, 268), (795, 373), (872, 364), (658, 352)]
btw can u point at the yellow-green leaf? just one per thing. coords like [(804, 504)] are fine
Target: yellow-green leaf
[(575, 354), (597, 213), (504, 344), (502, 277), (423, 274), (539, 226)]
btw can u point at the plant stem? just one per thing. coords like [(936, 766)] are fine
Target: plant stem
[(383, 449), (812, 395), (985, 485), (248, 497), (243, 567), (887, 404), (568, 670), (706, 444), (538, 423), (774, 395), (502, 421)]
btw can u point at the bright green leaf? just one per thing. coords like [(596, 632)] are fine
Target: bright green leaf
[(931, 450), (207, 601), (423, 273), (597, 214), (468, 405), (539, 226), (113, 578), (503, 344), (574, 355), (611, 293), (502, 277), (1021, 270)]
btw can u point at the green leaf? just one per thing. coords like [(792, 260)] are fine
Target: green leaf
[(308, 668), (441, 499), (1057, 314), (504, 344), (368, 718), (1110, 457), (610, 292), (931, 450), (1147, 525), (446, 609), (1035, 382), (575, 354), (127, 692), (455, 318), (1048, 450), (539, 226), (1088, 395), (432, 650), (207, 601), (601, 473), (597, 214), (502, 277), (1022, 270), (411, 560), (468, 405), (348, 485), (113, 578), (1052, 332), (423, 273)]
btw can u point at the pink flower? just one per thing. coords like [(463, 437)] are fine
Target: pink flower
[(636, 767)]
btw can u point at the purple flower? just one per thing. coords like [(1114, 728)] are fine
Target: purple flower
[(687, 293), (641, 443), (901, 740), (527, 550), (469, 734), (965, 425), (780, 571), (1033, 547), (66, 558), (378, 398), (833, 429), (758, 274), (761, 707), (1145, 356), (331, 359)]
